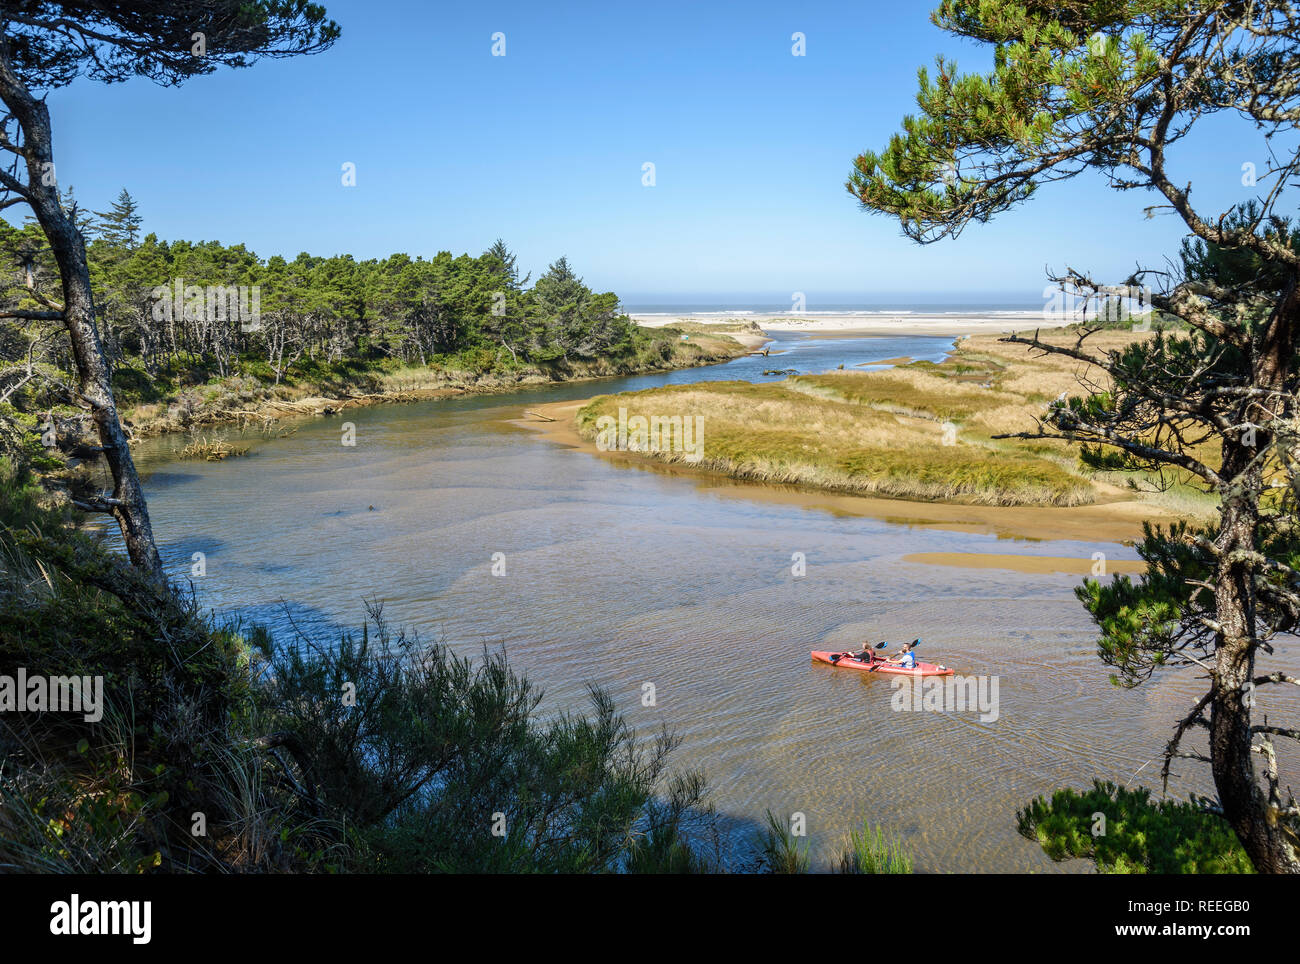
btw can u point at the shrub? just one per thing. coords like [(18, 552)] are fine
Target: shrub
[(1137, 836)]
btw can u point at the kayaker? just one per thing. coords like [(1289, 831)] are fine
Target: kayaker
[(906, 659), (866, 655)]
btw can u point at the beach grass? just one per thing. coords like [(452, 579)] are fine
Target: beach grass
[(921, 431), (775, 433)]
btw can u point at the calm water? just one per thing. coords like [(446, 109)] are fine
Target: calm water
[(620, 576)]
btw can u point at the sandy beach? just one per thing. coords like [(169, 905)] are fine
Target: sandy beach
[(858, 324)]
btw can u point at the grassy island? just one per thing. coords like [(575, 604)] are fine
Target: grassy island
[(920, 431)]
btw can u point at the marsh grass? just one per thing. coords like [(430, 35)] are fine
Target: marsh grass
[(779, 850), (872, 851), (772, 433), (882, 432), (907, 391), (211, 449)]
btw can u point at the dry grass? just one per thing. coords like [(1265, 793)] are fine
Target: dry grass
[(777, 434), (908, 391), (714, 327), (883, 432), (212, 449)]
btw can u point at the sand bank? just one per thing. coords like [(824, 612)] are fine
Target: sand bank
[(904, 360), (872, 323), (1036, 565)]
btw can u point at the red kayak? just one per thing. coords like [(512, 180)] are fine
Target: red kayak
[(880, 665)]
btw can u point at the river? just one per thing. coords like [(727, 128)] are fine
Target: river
[(620, 576)]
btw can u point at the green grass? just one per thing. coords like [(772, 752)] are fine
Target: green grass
[(871, 851), (780, 851)]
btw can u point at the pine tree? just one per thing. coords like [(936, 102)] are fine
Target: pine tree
[(506, 258), (44, 46), (1115, 87), (120, 226)]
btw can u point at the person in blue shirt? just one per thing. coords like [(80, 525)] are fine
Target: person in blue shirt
[(906, 659)]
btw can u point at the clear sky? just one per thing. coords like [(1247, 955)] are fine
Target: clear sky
[(544, 147)]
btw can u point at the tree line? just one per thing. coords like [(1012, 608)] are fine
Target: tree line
[(204, 308)]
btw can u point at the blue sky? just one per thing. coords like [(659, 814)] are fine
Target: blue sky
[(544, 147)]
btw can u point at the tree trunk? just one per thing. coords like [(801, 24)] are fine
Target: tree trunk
[(1245, 803), (94, 381), (1279, 338)]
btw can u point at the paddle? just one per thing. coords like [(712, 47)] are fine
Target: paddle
[(875, 666), (836, 657)]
